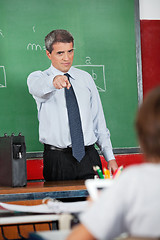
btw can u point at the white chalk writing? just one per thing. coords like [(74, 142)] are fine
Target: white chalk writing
[(88, 60), (2, 77), (1, 33), (98, 74), (35, 47)]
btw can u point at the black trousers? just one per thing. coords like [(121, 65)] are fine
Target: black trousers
[(61, 165)]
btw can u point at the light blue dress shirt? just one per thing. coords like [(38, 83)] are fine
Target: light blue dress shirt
[(52, 111)]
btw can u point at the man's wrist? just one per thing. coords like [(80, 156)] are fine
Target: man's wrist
[(108, 154)]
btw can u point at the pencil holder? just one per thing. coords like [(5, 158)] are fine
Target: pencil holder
[(13, 161)]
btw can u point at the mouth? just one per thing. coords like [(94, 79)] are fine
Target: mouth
[(66, 64)]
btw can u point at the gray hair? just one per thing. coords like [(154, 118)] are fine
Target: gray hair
[(58, 35)]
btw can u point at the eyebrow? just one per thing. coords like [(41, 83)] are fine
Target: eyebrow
[(67, 51)]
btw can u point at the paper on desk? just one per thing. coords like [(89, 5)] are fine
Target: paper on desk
[(49, 207)]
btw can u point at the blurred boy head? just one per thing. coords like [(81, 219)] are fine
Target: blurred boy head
[(148, 125)]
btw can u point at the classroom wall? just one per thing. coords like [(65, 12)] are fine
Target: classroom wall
[(150, 43)]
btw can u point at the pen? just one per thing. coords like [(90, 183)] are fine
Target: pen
[(117, 172), (98, 170), (106, 173), (94, 168)]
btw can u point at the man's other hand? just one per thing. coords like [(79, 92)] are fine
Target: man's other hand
[(112, 165)]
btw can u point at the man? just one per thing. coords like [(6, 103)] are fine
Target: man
[(132, 203), (49, 88)]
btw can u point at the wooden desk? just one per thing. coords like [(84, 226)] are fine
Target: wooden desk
[(18, 225), (34, 192)]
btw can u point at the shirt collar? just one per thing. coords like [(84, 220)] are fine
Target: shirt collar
[(56, 72)]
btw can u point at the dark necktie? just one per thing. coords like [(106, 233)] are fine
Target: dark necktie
[(78, 149)]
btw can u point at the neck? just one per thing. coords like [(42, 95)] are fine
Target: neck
[(153, 159)]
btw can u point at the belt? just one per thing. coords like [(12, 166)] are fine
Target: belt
[(50, 147)]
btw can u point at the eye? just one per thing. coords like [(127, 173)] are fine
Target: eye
[(70, 51), (59, 53)]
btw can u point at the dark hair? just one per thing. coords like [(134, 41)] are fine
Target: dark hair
[(58, 35), (148, 124)]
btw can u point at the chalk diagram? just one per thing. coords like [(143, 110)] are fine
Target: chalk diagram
[(98, 74), (96, 71), (1, 34), (34, 29), (35, 46), (2, 70), (2, 77)]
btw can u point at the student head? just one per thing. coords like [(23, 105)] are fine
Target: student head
[(148, 125), (59, 49)]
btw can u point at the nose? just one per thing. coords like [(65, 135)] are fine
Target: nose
[(66, 57)]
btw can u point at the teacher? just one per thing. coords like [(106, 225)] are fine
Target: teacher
[(70, 114)]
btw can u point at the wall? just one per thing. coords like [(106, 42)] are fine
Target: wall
[(150, 43)]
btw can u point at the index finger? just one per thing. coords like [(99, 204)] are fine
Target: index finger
[(68, 85)]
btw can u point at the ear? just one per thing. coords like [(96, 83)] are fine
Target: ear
[(48, 54)]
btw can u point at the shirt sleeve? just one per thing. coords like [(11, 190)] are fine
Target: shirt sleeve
[(40, 85), (100, 129), (105, 219)]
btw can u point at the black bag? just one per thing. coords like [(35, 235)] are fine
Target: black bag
[(13, 161)]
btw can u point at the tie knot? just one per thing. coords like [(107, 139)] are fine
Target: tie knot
[(67, 75)]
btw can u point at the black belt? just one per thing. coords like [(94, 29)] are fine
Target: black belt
[(50, 147)]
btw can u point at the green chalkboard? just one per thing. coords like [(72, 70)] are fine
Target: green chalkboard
[(104, 32)]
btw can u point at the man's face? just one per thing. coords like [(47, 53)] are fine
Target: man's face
[(61, 56)]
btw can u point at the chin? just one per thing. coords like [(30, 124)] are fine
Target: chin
[(66, 69)]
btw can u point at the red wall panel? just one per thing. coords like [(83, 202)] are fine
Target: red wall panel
[(150, 48), (35, 166)]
